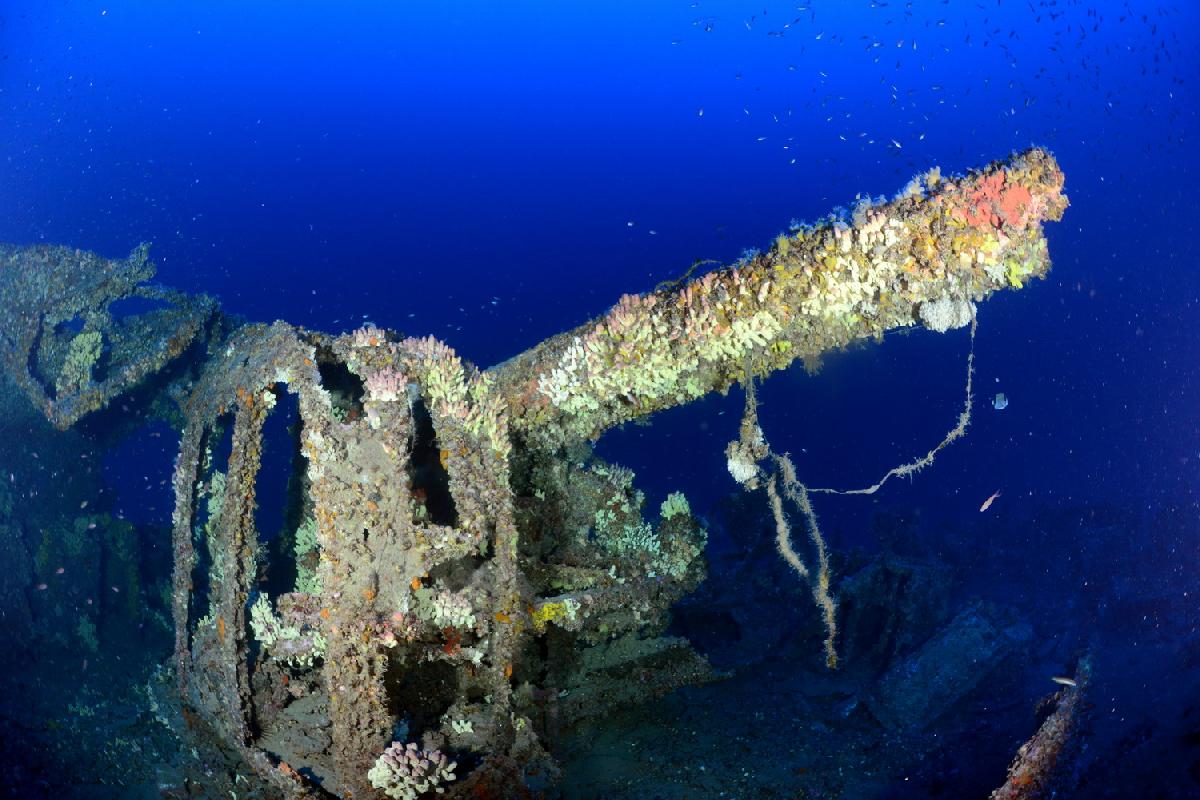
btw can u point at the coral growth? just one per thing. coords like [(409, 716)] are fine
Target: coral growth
[(995, 201), (386, 385), (925, 256), (65, 286), (292, 635), (82, 355), (946, 313), (405, 772)]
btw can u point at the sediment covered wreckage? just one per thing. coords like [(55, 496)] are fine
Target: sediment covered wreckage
[(457, 578)]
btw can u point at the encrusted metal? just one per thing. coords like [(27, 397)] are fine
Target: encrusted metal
[(60, 340)]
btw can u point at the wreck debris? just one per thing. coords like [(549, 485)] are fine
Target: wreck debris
[(1038, 764), (889, 607), (62, 342), (926, 684)]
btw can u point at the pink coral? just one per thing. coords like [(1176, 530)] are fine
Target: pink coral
[(386, 385), (369, 336), (400, 627)]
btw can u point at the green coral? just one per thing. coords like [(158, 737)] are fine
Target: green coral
[(216, 501), (445, 608), (83, 353), (621, 530), (1016, 271), (630, 539), (485, 418), (266, 626), (216, 495), (470, 399), (308, 581), (744, 335), (1024, 261), (445, 382), (675, 504), (298, 647)]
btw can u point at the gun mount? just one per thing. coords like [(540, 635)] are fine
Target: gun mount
[(456, 571)]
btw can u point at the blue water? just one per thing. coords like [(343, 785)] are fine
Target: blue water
[(494, 173)]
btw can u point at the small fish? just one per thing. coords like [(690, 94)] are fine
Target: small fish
[(41, 587), (1059, 679), (1000, 401), (60, 570), (988, 503)]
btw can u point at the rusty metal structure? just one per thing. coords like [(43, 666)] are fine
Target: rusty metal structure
[(408, 484), (456, 569), (1037, 769), (61, 341)]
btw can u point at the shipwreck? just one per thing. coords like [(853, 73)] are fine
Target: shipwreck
[(458, 577)]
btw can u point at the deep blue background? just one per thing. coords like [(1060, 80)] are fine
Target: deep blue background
[(494, 173)]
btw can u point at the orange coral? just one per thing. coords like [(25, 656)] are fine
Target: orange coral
[(993, 201), (1014, 204)]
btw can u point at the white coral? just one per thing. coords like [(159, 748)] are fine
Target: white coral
[(946, 313), (565, 380), (445, 609), (742, 471), (740, 457)]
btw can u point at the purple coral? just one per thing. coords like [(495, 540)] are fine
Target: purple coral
[(404, 772)]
